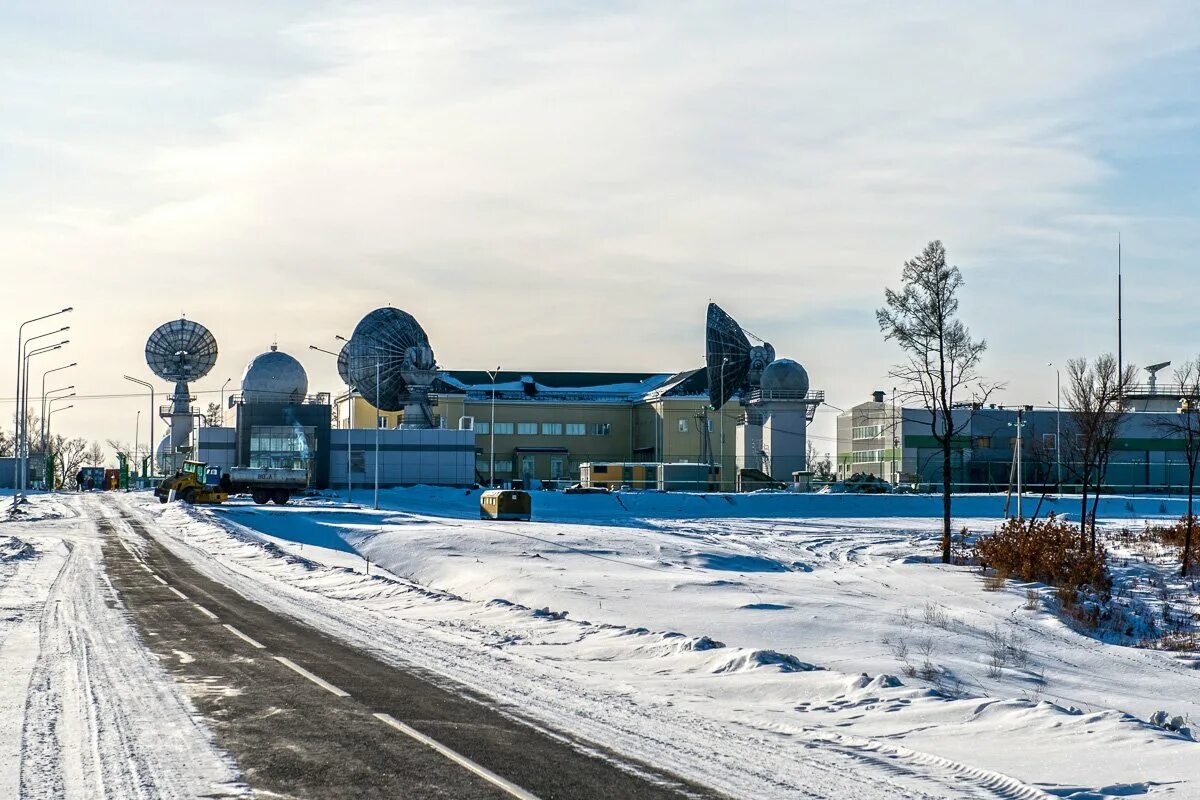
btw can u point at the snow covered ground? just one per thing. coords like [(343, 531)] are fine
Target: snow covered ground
[(769, 645), (85, 710)]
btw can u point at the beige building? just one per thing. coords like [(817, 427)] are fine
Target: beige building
[(548, 423)]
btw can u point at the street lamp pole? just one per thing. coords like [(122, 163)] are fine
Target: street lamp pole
[(350, 422), (42, 427), (720, 411), (150, 445), (49, 414), (45, 406), (19, 422), (23, 458), (223, 385), (137, 432), (492, 431)]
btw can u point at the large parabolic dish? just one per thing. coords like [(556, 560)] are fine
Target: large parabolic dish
[(181, 351), (379, 345), (727, 356)]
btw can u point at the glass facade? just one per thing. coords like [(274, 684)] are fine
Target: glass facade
[(282, 446)]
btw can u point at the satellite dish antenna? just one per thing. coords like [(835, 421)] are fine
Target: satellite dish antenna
[(726, 355), (733, 363), (378, 353), (1153, 370), (181, 351), (343, 363)]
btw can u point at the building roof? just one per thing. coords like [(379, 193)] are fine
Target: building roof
[(578, 386)]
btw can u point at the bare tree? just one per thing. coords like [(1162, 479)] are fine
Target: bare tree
[(212, 415), (1094, 396), (822, 467), (942, 356), (94, 457), (1185, 426), (68, 457), (8, 444)]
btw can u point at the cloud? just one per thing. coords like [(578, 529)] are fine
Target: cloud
[(566, 186)]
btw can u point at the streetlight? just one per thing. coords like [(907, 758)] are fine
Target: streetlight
[(1057, 425), (349, 422), (720, 411), (49, 414), (151, 388), (66, 366), (23, 459), (20, 344), (137, 431), (378, 400), (492, 430), (45, 405), (1019, 424), (223, 385), (23, 398)]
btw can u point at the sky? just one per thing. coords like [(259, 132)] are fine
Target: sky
[(566, 185)]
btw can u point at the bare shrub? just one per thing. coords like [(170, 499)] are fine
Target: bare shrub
[(1047, 550), (1033, 598), (994, 582), (936, 615)]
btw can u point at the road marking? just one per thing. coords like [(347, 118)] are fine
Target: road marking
[(244, 637), (143, 566), (464, 762), (299, 670), (182, 596), (157, 578), (204, 611)]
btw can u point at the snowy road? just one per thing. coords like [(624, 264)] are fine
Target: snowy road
[(85, 710)]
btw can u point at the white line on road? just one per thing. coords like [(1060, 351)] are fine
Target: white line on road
[(244, 637), (182, 596), (204, 611), (299, 670), (157, 578), (464, 762), (143, 566)]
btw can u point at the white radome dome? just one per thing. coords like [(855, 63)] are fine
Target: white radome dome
[(785, 375), (274, 377)]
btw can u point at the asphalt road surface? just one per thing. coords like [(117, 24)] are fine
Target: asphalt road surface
[(306, 716)]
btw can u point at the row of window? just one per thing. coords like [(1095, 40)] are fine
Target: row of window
[(866, 456), (866, 431), (544, 429)]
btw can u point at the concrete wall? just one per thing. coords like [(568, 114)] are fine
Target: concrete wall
[(218, 447)]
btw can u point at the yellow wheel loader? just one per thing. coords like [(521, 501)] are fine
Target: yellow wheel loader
[(190, 485)]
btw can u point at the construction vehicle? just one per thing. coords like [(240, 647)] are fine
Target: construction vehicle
[(193, 483), (199, 483)]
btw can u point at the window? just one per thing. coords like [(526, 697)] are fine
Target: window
[(527, 428), (866, 431), (482, 428), (282, 446), (552, 429), (867, 456), (381, 421), (710, 425), (576, 429), (601, 429), (983, 442), (683, 426), (599, 469), (1048, 440), (358, 462), (504, 465), (504, 428)]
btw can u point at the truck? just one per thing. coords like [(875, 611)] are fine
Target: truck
[(197, 482), (265, 484)]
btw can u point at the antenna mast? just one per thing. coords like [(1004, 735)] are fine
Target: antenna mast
[(1120, 342)]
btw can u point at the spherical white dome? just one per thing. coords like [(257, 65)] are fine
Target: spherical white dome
[(274, 377), (784, 375)]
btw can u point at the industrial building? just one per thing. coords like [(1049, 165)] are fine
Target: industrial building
[(882, 438)]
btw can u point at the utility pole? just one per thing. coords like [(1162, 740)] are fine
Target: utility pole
[(1020, 423), (1120, 332), (492, 432)]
